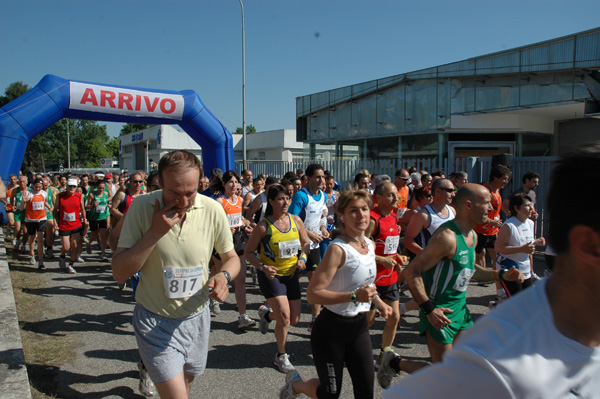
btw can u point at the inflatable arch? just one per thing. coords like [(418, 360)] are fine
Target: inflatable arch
[(54, 98)]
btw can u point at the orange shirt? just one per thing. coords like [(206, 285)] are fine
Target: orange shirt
[(403, 198), (9, 206), (486, 228), (35, 209), (233, 211)]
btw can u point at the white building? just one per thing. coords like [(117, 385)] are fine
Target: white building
[(137, 149)]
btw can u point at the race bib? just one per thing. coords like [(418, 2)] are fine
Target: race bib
[(100, 208), (391, 245), (288, 249), (400, 213), (182, 282), (7, 200), (462, 281), (69, 217), (235, 220), (37, 206)]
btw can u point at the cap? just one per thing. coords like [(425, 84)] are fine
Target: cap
[(108, 175), (72, 182)]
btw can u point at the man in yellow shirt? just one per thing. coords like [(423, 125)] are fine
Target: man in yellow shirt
[(169, 237)]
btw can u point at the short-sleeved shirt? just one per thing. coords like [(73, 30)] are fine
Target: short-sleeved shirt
[(486, 228), (188, 246)]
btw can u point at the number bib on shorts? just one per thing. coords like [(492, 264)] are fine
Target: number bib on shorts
[(391, 245), (287, 249), (100, 209), (182, 282), (69, 217), (235, 219)]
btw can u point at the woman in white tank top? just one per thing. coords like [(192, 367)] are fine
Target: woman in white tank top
[(344, 284)]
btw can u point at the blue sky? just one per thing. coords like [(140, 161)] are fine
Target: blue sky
[(293, 48)]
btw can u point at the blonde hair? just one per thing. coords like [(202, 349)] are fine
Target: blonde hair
[(366, 172), (352, 195)]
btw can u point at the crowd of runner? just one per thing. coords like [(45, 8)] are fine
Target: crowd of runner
[(360, 248)]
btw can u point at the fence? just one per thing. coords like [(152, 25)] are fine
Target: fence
[(477, 168)]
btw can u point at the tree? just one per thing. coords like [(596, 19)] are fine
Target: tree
[(133, 127), (14, 90), (249, 130), (113, 147)]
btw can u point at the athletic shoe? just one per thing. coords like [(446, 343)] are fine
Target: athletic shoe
[(501, 295), (14, 243), (103, 258), (244, 321), (23, 249), (31, 259), (70, 270), (41, 265), (88, 248), (385, 374), (79, 259), (49, 253), (121, 286), (215, 308), (287, 392), (379, 359), (62, 262), (146, 386), (492, 304), (535, 278), (283, 363), (263, 324), (254, 276)]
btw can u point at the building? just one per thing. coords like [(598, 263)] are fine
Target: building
[(535, 100), (137, 149)]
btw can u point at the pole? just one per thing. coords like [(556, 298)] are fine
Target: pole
[(68, 146), (243, 84)]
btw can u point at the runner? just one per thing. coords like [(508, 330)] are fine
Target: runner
[(309, 204), (122, 201), (35, 203), (50, 225), (16, 199), (8, 205), (279, 238), (232, 204), (69, 212), (97, 204), (344, 284)]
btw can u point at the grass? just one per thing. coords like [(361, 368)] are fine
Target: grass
[(44, 354)]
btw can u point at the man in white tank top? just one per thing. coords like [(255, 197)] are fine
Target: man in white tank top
[(426, 222)]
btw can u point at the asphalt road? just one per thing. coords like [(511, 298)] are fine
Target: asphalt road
[(89, 306)]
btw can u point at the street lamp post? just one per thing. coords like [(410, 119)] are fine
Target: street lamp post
[(243, 84)]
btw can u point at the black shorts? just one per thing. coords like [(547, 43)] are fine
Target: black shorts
[(96, 224), (314, 257), (65, 233), (389, 292), (31, 227), (239, 245), (288, 286), (484, 242)]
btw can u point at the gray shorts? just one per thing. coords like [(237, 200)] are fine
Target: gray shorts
[(168, 346)]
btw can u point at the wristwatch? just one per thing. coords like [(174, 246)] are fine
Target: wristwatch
[(353, 297), (227, 275)]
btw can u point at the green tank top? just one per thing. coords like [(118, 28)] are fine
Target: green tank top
[(51, 203), (100, 211), (446, 283), (18, 200)]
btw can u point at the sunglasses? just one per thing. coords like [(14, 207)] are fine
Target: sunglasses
[(405, 178), (137, 181), (428, 195), (72, 186), (448, 190)]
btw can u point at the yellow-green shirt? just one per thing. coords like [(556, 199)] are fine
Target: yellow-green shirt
[(205, 227)]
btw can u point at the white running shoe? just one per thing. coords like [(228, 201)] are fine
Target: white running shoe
[(146, 386), (283, 363), (263, 324), (215, 308), (385, 374), (31, 260), (70, 270), (79, 259), (287, 392), (244, 321)]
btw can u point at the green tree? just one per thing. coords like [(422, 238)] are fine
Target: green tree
[(113, 147), (14, 90), (133, 127), (249, 130)]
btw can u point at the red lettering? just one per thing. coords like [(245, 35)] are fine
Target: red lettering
[(138, 102), (125, 100), (163, 106), (107, 97), (151, 107), (89, 96)]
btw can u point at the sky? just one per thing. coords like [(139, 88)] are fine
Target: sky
[(293, 48)]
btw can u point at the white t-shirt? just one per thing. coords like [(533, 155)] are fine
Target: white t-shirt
[(513, 352), (520, 234)]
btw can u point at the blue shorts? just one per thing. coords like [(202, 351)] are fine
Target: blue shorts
[(288, 286), (170, 346)]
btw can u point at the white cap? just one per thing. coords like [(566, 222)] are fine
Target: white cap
[(72, 182)]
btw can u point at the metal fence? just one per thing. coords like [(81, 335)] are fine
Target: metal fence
[(477, 168)]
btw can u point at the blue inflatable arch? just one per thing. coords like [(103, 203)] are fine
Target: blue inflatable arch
[(54, 98)]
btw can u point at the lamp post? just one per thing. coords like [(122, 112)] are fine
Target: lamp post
[(68, 146), (243, 85)]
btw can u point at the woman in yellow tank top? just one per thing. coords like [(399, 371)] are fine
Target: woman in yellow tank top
[(282, 243)]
